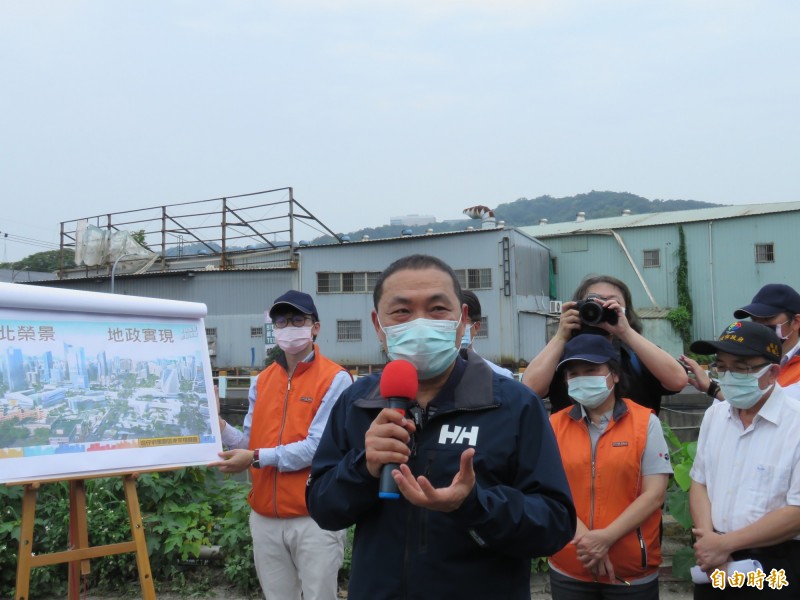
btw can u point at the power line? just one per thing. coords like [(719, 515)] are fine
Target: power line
[(4, 235)]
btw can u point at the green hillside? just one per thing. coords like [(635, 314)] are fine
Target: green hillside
[(525, 211)]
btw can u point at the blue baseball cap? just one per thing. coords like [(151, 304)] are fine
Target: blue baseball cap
[(744, 338), (590, 348), (296, 300), (770, 300)]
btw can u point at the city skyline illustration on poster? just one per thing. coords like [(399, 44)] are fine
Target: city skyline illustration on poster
[(96, 383)]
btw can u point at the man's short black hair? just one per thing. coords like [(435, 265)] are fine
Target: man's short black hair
[(469, 298), (415, 262)]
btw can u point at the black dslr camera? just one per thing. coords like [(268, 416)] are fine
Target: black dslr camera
[(592, 313)]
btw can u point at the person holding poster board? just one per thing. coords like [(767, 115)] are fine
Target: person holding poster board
[(290, 402)]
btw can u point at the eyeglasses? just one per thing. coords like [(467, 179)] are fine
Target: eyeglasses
[(295, 320), (737, 372)]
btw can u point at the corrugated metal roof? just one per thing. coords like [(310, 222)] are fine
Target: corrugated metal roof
[(407, 237), (77, 275), (661, 218)]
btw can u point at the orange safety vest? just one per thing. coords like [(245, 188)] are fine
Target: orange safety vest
[(790, 372), (617, 481), (282, 414)]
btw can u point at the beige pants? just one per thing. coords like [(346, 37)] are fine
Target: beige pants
[(295, 558)]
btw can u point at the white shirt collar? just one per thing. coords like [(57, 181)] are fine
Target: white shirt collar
[(771, 409), (788, 356)]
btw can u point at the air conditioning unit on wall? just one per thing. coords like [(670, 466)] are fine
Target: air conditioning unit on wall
[(555, 306)]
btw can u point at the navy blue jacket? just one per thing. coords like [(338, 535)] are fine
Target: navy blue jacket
[(519, 508)]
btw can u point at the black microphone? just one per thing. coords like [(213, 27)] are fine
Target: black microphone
[(399, 385)]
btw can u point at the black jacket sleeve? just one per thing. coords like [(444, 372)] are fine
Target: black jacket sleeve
[(340, 487)]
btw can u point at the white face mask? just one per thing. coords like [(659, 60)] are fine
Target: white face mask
[(743, 393), (779, 331), (428, 344), (293, 339), (589, 390), (466, 340)]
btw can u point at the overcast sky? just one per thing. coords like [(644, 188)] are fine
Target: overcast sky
[(376, 108)]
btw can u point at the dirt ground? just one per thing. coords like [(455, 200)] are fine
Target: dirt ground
[(540, 590)]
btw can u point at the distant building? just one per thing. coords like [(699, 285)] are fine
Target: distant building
[(519, 275), (411, 220), (25, 275), (507, 269), (732, 251)]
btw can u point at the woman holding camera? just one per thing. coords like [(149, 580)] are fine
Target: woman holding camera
[(647, 371)]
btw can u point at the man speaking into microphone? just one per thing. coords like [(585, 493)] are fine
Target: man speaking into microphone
[(480, 485)]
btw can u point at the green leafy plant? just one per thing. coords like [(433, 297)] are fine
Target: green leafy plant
[(682, 457), (681, 321), (681, 316), (539, 565), (182, 510)]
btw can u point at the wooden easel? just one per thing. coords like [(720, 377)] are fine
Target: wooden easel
[(79, 554)]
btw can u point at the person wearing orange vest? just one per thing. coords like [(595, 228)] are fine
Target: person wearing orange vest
[(777, 306), (617, 464), (290, 402)]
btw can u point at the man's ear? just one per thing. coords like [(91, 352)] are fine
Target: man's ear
[(315, 329), (774, 371)]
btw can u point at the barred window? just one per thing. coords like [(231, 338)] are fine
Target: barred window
[(652, 258), (355, 282), (484, 330), (348, 331), (765, 253), (329, 283), (256, 332), (372, 279), (474, 279), (211, 331)]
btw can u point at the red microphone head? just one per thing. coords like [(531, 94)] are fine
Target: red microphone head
[(399, 380)]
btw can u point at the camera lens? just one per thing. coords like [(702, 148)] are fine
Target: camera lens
[(591, 313)]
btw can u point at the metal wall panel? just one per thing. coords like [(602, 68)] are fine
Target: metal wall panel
[(723, 272), (465, 250)]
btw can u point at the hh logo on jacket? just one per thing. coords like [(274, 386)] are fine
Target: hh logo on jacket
[(458, 435)]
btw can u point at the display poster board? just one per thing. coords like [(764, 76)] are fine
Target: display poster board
[(94, 384)]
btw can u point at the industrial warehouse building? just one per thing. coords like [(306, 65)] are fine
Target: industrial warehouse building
[(519, 275), (732, 251), (507, 269)]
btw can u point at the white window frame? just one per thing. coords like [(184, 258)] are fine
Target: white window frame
[(346, 330), (474, 278), (651, 258), (765, 252), (347, 282)]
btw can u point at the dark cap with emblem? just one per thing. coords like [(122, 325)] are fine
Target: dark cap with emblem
[(771, 300), (590, 348), (744, 338), (296, 300)]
